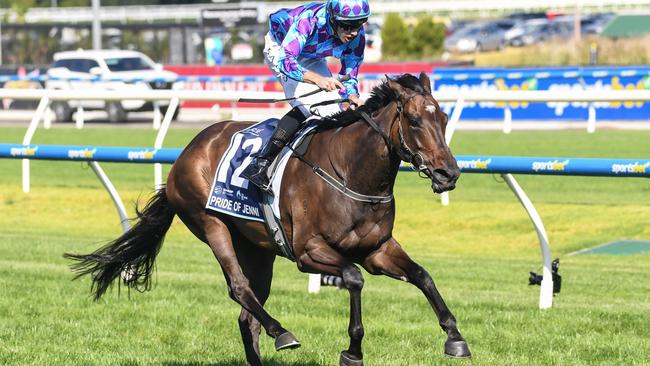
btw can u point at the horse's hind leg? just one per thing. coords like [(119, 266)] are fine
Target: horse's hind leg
[(239, 287), (391, 260), (257, 265)]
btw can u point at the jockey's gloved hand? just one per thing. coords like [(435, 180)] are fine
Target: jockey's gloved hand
[(355, 101), (329, 84), (325, 83)]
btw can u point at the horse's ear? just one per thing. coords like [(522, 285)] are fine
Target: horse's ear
[(426, 83), (396, 87)]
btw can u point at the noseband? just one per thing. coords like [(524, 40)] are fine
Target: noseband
[(404, 152)]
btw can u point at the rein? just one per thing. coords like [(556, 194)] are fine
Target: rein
[(404, 152), (256, 100), (264, 100)]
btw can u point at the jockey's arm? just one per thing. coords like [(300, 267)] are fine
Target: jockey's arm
[(351, 61), (356, 101), (330, 84), (325, 83)]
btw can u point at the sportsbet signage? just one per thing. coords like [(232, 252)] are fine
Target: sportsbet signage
[(556, 79)]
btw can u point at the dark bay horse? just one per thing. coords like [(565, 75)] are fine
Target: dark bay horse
[(330, 232)]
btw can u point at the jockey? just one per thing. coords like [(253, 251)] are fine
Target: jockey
[(295, 49)]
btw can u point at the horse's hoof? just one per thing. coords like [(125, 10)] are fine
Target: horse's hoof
[(457, 349), (347, 360), (286, 341)]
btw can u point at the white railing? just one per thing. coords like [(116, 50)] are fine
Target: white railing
[(174, 96), (459, 99)]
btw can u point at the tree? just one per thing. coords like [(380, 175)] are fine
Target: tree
[(394, 37), (427, 38), (21, 7)]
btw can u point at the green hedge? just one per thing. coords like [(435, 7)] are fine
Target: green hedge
[(399, 41)]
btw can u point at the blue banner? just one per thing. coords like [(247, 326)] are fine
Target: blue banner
[(467, 163), (90, 153), (555, 166), (562, 80)]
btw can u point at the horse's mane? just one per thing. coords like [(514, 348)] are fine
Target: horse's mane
[(380, 97)]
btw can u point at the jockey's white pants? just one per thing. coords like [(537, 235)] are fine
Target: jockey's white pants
[(294, 88)]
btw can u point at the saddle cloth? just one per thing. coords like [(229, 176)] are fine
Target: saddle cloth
[(232, 194)]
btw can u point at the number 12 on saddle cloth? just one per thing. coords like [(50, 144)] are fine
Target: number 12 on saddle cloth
[(232, 194)]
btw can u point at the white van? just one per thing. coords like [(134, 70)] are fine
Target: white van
[(77, 69)]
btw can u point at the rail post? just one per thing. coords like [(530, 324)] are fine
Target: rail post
[(546, 292), (160, 138), (43, 105), (449, 133), (507, 120)]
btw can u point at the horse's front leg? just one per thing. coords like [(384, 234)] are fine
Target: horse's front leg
[(391, 260), (319, 257)]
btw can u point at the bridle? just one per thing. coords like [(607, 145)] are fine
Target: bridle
[(404, 152)]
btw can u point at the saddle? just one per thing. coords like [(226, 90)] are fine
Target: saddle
[(232, 195)]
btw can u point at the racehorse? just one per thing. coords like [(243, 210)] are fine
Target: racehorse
[(330, 232)]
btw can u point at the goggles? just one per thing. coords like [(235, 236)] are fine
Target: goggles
[(350, 25)]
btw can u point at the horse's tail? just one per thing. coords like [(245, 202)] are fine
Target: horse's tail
[(133, 254)]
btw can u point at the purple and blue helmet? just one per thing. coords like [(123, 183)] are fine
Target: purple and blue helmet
[(348, 9)]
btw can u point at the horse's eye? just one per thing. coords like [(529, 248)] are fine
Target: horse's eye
[(415, 121)]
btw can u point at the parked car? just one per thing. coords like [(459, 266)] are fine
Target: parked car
[(594, 24), (522, 27), (504, 24), (476, 38), (541, 31), (454, 26), (82, 66), (520, 17)]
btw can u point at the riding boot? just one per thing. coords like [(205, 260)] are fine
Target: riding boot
[(288, 125)]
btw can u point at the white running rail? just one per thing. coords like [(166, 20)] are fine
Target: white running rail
[(460, 99)]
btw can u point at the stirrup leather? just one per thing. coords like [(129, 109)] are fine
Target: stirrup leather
[(256, 173)]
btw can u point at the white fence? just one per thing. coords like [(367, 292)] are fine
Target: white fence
[(458, 98)]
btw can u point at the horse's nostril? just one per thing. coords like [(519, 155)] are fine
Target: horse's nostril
[(443, 172)]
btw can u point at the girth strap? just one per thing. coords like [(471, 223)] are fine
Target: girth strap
[(347, 191)]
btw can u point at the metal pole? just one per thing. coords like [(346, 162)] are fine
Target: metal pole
[(507, 120), (115, 196), (97, 27), (451, 128), (27, 139), (0, 41), (577, 25), (546, 291), (160, 138)]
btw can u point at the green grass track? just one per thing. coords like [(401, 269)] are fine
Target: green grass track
[(479, 251)]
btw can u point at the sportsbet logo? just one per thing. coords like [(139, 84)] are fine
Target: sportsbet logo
[(474, 164), (23, 151), (81, 154), (635, 168), (553, 166), (142, 155)]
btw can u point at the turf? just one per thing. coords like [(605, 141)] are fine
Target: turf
[(620, 247), (479, 251)]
